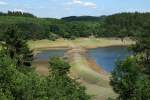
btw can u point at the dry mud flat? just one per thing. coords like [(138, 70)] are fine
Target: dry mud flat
[(89, 74)]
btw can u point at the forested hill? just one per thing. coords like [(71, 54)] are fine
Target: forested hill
[(117, 25), (128, 24), (17, 13), (84, 18)]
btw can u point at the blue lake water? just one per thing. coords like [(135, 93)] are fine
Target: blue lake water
[(46, 55), (104, 57)]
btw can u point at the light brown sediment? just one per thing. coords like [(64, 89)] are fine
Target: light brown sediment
[(87, 43), (41, 67), (89, 73)]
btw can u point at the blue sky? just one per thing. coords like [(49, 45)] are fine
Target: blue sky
[(61, 8)]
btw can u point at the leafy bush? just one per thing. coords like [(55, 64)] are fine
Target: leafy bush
[(60, 84)]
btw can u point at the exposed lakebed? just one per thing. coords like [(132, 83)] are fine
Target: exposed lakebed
[(104, 56)]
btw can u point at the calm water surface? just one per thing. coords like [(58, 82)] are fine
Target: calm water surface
[(107, 56), (45, 55), (104, 57)]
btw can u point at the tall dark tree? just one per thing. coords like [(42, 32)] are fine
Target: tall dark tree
[(131, 78), (124, 78), (142, 52), (16, 46), (60, 85), (17, 85)]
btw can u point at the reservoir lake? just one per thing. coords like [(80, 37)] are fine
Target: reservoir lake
[(105, 57)]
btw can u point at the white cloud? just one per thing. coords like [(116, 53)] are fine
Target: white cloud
[(3, 3), (90, 4), (82, 3), (77, 1)]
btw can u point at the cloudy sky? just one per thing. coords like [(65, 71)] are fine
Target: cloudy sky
[(61, 8)]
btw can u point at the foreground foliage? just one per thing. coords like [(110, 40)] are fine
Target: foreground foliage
[(131, 77), (129, 82), (16, 85), (19, 81), (60, 84), (16, 47)]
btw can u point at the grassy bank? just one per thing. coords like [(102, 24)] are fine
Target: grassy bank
[(92, 76), (83, 42)]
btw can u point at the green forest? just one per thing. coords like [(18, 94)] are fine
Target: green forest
[(19, 81), (117, 25)]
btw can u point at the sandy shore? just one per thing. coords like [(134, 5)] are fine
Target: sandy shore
[(89, 73), (87, 43), (85, 69)]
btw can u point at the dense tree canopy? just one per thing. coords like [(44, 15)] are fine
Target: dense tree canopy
[(16, 13), (117, 25), (17, 85), (60, 84), (16, 46), (131, 77), (142, 52), (20, 83)]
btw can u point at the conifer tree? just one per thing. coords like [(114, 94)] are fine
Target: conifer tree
[(16, 46)]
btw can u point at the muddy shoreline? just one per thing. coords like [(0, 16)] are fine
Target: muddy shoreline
[(67, 47), (83, 68), (83, 51)]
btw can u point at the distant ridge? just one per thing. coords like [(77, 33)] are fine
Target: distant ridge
[(116, 25), (83, 18)]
